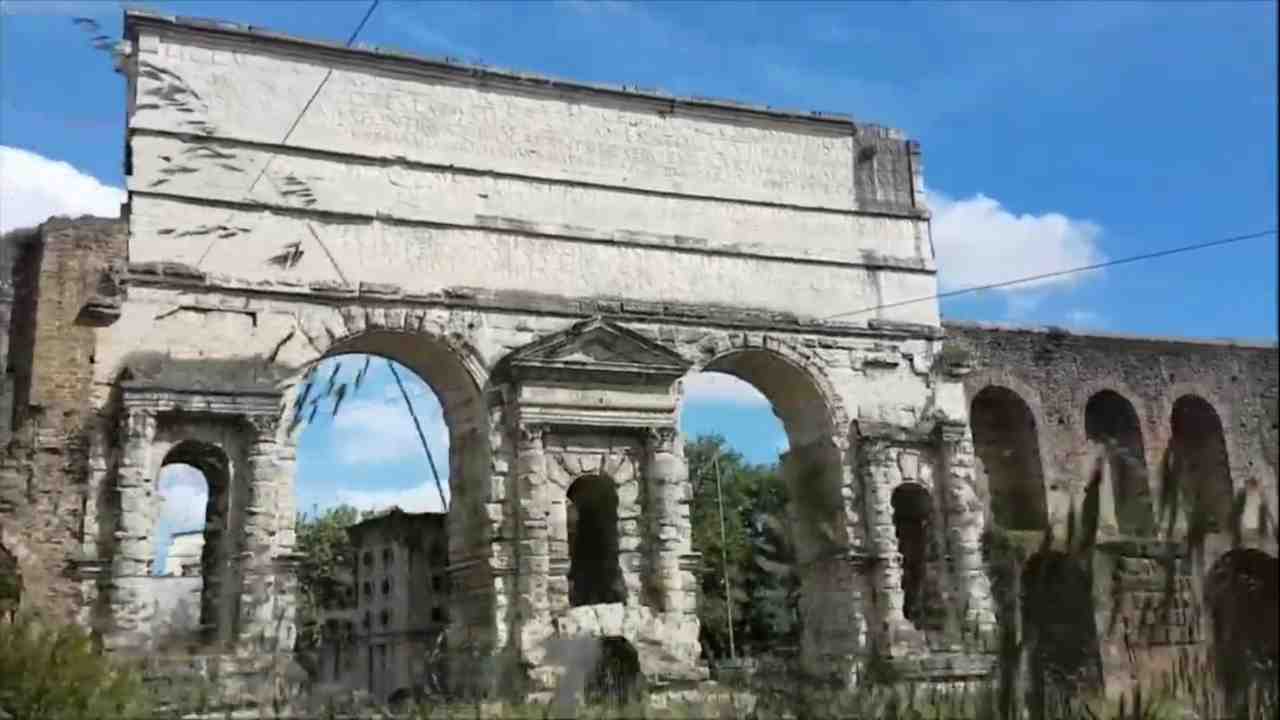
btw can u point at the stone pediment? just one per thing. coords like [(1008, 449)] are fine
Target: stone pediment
[(597, 347)]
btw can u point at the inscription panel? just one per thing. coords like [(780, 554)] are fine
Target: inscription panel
[(194, 84), (223, 171), (258, 246)]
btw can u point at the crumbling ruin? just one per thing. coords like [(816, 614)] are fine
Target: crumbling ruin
[(551, 258)]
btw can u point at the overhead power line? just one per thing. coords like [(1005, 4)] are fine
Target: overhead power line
[(1057, 273), (302, 113), (293, 126)]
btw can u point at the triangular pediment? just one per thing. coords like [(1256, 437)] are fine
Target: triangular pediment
[(598, 345)]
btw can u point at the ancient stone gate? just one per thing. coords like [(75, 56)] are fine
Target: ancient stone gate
[(551, 258)]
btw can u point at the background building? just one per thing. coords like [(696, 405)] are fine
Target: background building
[(400, 602)]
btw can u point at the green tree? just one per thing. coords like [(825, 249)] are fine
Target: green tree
[(53, 670), (326, 571), (754, 499)]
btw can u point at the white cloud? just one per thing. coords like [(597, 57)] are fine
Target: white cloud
[(423, 498), (979, 242), (34, 188), (368, 431), (1081, 319), (720, 388), (185, 495)]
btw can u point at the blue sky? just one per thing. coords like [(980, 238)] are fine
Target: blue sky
[(1054, 135)]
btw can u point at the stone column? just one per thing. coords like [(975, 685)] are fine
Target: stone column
[(965, 524), (671, 583), (533, 557), (265, 610), (558, 539), (136, 491), (131, 551), (877, 466)]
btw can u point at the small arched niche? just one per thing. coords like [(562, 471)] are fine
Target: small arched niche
[(592, 521), (1005, 440), (1111, 422), (215, 543), (1199, 462), (912, 516), (616, 678), (10, 585)]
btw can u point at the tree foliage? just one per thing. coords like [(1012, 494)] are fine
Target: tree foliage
[(50, 670), (326, 571), (754, 550)]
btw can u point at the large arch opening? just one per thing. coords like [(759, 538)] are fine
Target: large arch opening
[(1060, 635), (392, 468), (616, 678), (1112, 423), (759, 445), (1199, 462), (1240, 591), (196, 553), (595, 576), (10, 585), (1006, 442)]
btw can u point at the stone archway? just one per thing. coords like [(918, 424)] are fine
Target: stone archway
[(476, 619), (1198, 461), (1240, 591), (1112, 424), (814, 474), (912, 519), (1060, 635), (218, 613), (592, 523), (1005, 439)]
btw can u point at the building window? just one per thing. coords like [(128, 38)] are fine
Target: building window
[(437, 583), (387, 556), (385, 617), (368, 558), (368, 589), (365, 621), (437, 614), (386, 586)]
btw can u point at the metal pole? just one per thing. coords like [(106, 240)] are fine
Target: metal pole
[(724, 556)]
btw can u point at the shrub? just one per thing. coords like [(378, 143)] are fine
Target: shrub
[(50, 670)]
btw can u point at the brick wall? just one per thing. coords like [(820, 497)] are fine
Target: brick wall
[(1056, 373), (42, 467)]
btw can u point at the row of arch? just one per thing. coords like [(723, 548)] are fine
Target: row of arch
[(804, 403), (1006, 438)]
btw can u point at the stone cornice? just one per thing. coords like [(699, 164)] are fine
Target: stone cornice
[(181, 277)]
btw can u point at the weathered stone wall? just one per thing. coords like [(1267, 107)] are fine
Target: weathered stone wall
[(1056, 373), (454, 218), (55, 276), (1212, 402), (428, 176)]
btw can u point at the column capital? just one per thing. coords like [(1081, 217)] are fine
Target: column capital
[(530, 434), (660, 438), (264, 425), (139, 423)]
